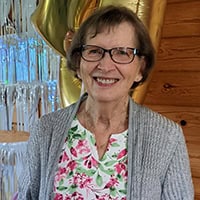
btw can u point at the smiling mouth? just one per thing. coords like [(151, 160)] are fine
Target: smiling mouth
[(106, 80)]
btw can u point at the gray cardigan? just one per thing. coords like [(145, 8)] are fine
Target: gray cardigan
[(158, 164)]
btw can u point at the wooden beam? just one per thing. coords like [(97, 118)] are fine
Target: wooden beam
[(13, 136)]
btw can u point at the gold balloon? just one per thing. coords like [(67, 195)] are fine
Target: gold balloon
[(52, 19)]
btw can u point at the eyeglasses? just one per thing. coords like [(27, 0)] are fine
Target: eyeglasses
[(120, 55)]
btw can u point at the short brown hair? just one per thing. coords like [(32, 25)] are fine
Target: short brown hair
[(106, 18)]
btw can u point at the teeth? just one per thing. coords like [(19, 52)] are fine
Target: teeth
[(106, 81)]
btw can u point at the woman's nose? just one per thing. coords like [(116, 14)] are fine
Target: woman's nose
[(106, 63)]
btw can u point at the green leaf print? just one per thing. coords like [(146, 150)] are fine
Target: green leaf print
[(115, 145), (76, 136), (108, 171), (61, 182), (92, 139), (84, 134), (79, 170), (110, 163), (119, 177), (72, 188), (70, 174), (80, 135), (61, 188), (113, 191), (122, 191), (114, 156), (99, 180), (90, 172), (104, 158), (75, 128)]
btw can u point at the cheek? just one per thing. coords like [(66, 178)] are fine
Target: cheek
[(137, 75), (82, 68), (85, 69), (133, 72)]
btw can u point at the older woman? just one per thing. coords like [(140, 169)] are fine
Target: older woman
[(106, 146)]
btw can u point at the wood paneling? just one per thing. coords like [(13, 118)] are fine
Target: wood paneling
[(179, 54), (183, 20), (174, 88), (196, 182), (178, 64), (178, 1)]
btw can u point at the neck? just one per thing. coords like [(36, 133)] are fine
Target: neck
[(104, 116)]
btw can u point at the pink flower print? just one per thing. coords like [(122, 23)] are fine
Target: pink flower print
[(72, 165), (112, 140), (67, 198), (85, 183), (122, 154), (126, 174), (89, 161), (106, 197), (121, 169), (73, 151), (94, 162), (103, 197), (58, 197), (60, 174), (112, 182), (64, 157), (62, 170), (82, 180), (83, 147), (77, 196)]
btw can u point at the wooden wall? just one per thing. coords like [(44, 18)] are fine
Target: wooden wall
[(175, 87)]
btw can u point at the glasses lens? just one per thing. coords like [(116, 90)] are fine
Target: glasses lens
[(122, 55), (92, 53)]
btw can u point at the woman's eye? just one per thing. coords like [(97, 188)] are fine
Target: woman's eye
[(120, 53), (94, 51), (123, 52)]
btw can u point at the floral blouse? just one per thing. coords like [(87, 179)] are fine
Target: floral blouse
[(82, 175)]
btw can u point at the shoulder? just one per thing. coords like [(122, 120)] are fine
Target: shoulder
[(58, 116), (54, 121), (155, 129), (158, 137), (62, 115), (154, 122), (54, 124)]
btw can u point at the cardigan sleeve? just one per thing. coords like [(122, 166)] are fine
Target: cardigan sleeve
[(28, 183), (178, 182)]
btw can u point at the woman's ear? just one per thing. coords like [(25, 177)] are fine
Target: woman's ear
[(68, 39), (78, 74), (138, 78), (141, 71)]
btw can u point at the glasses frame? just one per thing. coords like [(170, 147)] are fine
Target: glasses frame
[(109, 51)]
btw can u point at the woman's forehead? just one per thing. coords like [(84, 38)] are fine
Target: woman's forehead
[(94, 32), (104, 28)]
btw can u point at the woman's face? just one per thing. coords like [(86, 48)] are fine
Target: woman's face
[(106, 80)]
